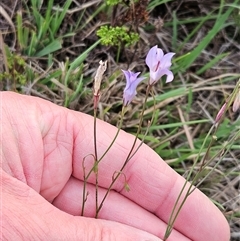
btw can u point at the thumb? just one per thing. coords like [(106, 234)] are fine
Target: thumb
[(28, 216)]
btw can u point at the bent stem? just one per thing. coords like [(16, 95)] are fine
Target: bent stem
[(129, 156), (96, 162), (84, 196)]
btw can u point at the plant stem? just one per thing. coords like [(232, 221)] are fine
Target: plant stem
[(95, 158), (85, 177), (129, 156)]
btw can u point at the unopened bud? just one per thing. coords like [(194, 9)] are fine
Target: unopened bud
[(236, 103), (220, 112)]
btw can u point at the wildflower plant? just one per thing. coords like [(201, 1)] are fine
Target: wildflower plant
[(162, 67), (159, 65)]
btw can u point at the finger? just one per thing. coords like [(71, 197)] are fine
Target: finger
[(28, 216), (116, 208)]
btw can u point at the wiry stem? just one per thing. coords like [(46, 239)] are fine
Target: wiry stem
[(96, 95), (96, 163), (95, 158), (129, 156), (84, 196)]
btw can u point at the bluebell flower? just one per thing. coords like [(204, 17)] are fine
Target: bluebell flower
[(159, 64), (132, 82)]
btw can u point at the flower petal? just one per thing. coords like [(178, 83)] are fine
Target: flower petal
[(220, 112), (166, 60), (159, 55), (155, 76), (151, 57), (134, 76), (170, 76), (132, 83), (127, 74)]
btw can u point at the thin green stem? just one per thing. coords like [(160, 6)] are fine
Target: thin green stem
[(114, 139), (118, 53), (175, 213), (129, 156), (148, 126), (95, 159), (222, 150), (116, 135), (84, 196), (84, 191)]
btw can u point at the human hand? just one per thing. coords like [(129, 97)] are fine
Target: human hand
[(43, 146)]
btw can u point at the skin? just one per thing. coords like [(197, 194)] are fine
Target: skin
[(42, 149)]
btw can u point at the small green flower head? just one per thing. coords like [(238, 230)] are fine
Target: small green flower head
[(115, 36), (112, 2)]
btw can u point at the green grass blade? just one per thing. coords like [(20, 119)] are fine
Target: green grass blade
[(77, 63), (47, 20), (38, 18), (31, 50), (52, 47), (195, 30), (211, 63), (83, 56), (156, 3), (177, 124), (58, 21), (219, 24), (20, 31), (174, 38)]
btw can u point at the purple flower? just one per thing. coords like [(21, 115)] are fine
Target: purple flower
[(132, 83), (159, 64)]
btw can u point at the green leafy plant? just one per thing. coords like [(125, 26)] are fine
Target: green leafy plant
[(116, 36), (113, 2), (15, 69), (39, 38)]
